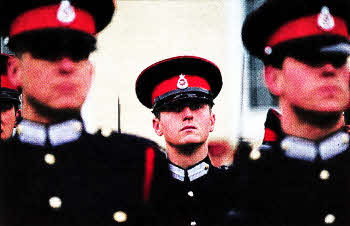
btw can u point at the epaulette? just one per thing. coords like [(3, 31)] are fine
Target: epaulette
[(273, 128)]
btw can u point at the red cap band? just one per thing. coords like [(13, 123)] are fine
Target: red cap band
[(5, 83), (46, 17), (306, 26), (172, 84)]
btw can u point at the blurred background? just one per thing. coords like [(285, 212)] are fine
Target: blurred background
[(146, 31)]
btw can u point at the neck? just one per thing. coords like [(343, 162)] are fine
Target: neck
[(29, 113), (179, 158), (36, 111), (295, 126)]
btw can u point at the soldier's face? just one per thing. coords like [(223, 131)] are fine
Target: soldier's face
[(60, 84), (324, 88), (185, 124), (8, 121)]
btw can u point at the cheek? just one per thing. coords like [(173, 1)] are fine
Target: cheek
[(295, 80), (169, 126), (9, 117), (205, 122), (84, 80), (32, 77)]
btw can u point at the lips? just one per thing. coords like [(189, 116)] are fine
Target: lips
[(66, 88), (330, 89), (188, 128)]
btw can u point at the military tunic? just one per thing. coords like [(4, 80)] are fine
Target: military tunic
[(61, 175), (198, 195), (295, 181)]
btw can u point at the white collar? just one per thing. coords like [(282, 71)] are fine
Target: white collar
[(55, 134), (193, 173), (299, 148)]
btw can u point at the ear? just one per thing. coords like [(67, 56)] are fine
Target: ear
[(273, 80), (13, 64), (157, 127), (212, 122)]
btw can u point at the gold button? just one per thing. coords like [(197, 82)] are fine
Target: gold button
[(190, 193), (120, 216), (345, 138), (50, 159), (268, 50), (206, 167), (255, 154), (78, 126), (55, 202), (106, 132), (285, 146), (324, 175), (19, 129), (329, 219)]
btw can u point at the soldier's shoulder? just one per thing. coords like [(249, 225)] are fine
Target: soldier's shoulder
[(125, 142)]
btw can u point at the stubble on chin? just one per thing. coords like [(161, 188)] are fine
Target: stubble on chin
[(319, 119), (52, 114)]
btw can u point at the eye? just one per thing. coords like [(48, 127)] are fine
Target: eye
[(174, 108), (196, 106), (5, 107)]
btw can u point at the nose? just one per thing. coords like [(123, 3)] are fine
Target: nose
[(328, 70), (66, 66), (187, 113)]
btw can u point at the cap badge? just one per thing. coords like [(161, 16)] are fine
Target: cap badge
[(325, 20), (66, 13), (182, 82)]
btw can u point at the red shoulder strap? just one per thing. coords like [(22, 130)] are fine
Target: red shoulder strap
[(270, 135), (149, 170)]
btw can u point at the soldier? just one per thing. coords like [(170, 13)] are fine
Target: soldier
[(9, 95), (9, 103), (301, 179), (53, 172), (181, 91)]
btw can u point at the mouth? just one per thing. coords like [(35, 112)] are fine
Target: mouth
[(66, 88), (330, 89), (188, 128)]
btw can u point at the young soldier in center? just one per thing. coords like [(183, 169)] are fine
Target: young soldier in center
[(181, 91), (301, 178)]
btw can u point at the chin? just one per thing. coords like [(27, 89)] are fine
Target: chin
[(192, 140), (67, 105), (330, 108), (5, 137)]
